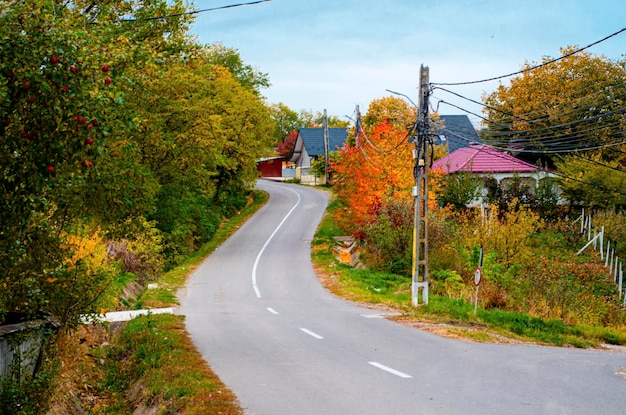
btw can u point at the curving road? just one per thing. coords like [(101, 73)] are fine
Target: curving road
[(258, 315)]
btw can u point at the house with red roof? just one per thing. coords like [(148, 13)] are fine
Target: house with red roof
[(486, 161)]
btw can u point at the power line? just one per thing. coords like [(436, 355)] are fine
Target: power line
[(543, 114), (599, 163), (495, 78), (556, 173), (192, 12), (567, 124)]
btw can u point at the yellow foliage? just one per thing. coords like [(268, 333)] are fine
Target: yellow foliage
[(88, 249), (506, 233)]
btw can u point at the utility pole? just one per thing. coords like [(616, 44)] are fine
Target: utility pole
[(420, 195), (357, 126), (326, 156)]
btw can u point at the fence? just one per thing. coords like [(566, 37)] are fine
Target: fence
[(21, 347), (607, 254)]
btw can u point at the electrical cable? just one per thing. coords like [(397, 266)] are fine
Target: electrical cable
[(567, 124), (599, 163), (144, 19), (495, 78), (559, 143), (583, 97), (503, 156)]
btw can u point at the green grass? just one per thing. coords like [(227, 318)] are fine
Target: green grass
[(153, 363), (395, 291), (112, 296)]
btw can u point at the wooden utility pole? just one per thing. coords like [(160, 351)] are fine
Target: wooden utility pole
[(326, 155), (420, 195), (357, 126)]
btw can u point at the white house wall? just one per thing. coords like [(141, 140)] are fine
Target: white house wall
[(535, 176)]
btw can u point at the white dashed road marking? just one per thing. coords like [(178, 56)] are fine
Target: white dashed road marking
[(312, 334), (390, 370)]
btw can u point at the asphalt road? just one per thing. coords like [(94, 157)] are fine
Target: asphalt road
[(258, 315)]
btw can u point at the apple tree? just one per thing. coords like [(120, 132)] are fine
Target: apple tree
[(65, 72)]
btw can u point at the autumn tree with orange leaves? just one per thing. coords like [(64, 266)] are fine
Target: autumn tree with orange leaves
[(377, 169), (373, 180)]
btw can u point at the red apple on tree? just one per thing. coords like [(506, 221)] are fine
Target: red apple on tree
[(107, 81), (54, 60), (89, 141), (105, 68), (50, 168)]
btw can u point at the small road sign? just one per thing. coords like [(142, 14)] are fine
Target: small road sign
[(478, 276)]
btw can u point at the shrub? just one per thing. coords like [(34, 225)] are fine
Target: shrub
[(388, 237), (459, 190), (450, 283), (506, 233)]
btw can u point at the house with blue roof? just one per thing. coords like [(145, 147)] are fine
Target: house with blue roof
[(310, 145), (457, 132)]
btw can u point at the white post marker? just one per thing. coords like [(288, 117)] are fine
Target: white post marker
[(478, 275)]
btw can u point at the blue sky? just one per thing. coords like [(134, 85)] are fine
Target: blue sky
[(336, 54)]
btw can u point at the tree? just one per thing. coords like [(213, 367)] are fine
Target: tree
[(63, 81), (248, 76), (459, 190), (562, 111), (379, 169), (203, 133), (598, 185), (316, 120), (393, 110), (286, 148), (286, 121), (574, 104)]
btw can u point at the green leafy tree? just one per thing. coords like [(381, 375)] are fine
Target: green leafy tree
[(248, 76), (70, 172), (596, 185), (459, 190), (286, 121), (316, 120), (64, 77), (203, 132), (389, 237)]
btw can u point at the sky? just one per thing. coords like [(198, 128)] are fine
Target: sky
[(337, 54)]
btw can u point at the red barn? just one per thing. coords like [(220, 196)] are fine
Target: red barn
[(270, 167)]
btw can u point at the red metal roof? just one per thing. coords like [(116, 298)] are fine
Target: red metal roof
[(481, 158)]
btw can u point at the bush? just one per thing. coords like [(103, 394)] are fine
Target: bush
[(388, 238)]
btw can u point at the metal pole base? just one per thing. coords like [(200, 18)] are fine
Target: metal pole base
[(415, 289)]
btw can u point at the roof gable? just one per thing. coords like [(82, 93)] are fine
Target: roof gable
[(458, 132), (313, 139), (480, 158)]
